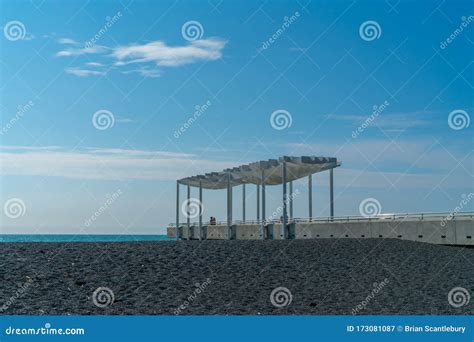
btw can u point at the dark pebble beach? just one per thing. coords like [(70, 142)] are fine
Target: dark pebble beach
[(308, 277)]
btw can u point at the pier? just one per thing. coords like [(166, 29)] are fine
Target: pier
[(437, 228)]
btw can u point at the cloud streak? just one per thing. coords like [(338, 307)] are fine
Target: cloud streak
[(96, 49), (84, 72), (390, 120), (150, 58), (170, 56), (103, 164)]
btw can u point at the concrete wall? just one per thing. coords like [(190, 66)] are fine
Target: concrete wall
[(217, 233), (247, 232), (464, 232), (456, 232)]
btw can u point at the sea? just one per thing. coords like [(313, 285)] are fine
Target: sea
[(79, 238)]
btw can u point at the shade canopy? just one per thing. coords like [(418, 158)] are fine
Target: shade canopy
[(268, 172)]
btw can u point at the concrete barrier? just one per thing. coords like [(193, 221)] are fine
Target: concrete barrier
[(195, 234), (320, 230), (464, 232), (276, 231), (247, 232), (455, 232), (186, 232), (269, 230), (435, 232), (217, 232)]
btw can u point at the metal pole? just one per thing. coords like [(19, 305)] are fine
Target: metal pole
[(283, 227), (243, 203), (291, 200), (200, 210), (331, 191), (310, 197), (177, 210), (258, 203), (262, 227), (229, 206), (188, 217)]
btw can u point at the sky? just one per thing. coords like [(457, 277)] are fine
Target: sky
[(105, 104)]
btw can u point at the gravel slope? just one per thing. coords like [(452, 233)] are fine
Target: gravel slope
[(324, 277)]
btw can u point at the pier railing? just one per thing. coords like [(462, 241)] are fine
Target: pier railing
[(446, 216)]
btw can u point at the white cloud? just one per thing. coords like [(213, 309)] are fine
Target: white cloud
[(84, 72), (95, 64), (147, 72), (150, 56), (420, 155), (390, 120), (163, 55), (103, 164), (96, 49), (67, 41), (29, 148)]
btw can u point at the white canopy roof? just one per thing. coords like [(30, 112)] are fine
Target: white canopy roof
[(270, 171)]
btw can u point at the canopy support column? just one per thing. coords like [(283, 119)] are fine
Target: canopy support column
[(331, 192), (291, 200), (200, 210), (229, 207), (188, 213), (177, 210), (243, 203), (310, 197), (258, 203), (283, 227), (262, 227)]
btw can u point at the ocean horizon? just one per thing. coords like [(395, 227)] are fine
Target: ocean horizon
[(80, 237)]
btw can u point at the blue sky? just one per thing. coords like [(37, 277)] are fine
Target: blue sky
[(130, 62)]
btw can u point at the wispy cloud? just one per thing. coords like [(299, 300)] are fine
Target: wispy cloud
[(67, 41), (170, 56), (151, 57), (419, 155), (103, 164), (147, 72), (96, 49), (95, 64), (84, 72), (390, 120)]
